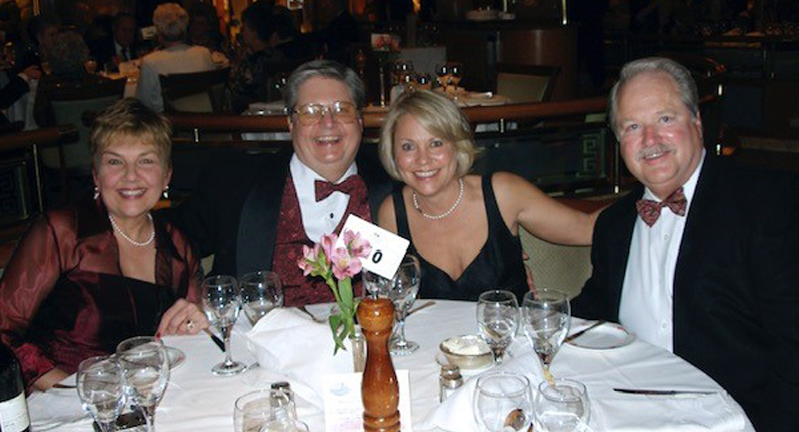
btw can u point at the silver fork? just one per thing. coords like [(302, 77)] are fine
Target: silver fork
[(316, 319)]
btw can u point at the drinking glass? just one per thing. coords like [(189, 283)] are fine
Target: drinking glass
[(401, 290), (443, 76), (100, 390), (498, 319), (402, 68), (261, 292), (221, 303), (546, 316), (562, 406), (455, 74), (254, 410), (144, 366), (502, 401)]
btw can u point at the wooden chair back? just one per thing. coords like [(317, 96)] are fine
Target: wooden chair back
[(526, 83), (195, 92)]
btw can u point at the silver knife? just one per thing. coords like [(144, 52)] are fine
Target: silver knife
[(580, 333), (663, 392)]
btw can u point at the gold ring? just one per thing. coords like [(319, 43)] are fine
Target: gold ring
[(190, 324)]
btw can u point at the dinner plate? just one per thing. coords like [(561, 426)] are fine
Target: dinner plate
[(607, 336), (176, 357)]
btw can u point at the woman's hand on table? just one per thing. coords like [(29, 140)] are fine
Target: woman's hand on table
[(183, 318), (46, 381)]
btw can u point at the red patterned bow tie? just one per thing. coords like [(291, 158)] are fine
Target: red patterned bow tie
[(650, 210), (325, 188)]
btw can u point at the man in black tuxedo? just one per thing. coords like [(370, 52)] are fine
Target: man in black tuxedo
[(255, 212), (708, 268), (121, 46)]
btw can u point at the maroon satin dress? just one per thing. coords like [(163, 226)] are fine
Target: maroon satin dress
[(63, 297)]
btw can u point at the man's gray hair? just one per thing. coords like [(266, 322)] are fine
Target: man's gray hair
[(327, 69), (679, 73), (171, 21)]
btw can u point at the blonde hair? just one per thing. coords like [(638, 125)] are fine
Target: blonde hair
[(130, 117), (171, 21), (439, 116)]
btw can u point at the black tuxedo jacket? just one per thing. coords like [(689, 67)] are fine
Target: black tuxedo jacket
[(234, 214), (736, 285)]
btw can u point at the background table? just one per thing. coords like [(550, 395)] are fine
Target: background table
[(198, 401)]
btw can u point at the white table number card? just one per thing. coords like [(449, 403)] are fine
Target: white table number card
[(343, 405), (388, 249)]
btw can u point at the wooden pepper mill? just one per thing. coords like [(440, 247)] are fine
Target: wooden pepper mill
[(379, 387)]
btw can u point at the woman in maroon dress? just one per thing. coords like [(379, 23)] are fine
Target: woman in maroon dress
[(85, 277)]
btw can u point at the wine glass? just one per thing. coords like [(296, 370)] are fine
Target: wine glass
[(502, 402), (221, 303), (498, 319), (254, 410), (100, 390), (144, 366), (261, 292), (402, 67), (455, 74), (562, 406), (442, 74), (401, 290), (546, 318)]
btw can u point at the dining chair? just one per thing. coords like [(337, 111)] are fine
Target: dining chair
[(195, 92), (526, 83), (564, 268), (69, 103)]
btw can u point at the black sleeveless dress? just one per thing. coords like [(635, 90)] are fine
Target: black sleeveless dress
[(499, 264)]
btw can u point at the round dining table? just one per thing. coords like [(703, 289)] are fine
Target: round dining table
[(198, 401)]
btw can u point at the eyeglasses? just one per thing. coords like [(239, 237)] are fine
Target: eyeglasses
[(310, 114)]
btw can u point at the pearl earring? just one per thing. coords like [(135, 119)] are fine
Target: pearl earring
[(166, 192), (96, 192)]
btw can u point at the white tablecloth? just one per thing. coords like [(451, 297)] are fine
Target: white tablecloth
[(198, 401)]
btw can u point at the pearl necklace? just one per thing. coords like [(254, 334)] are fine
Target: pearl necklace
[(130, 240), (446, 213)]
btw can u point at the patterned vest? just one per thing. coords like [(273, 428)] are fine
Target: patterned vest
[(298, 289)]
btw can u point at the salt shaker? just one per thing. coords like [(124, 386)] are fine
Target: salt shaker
[(449, 381)]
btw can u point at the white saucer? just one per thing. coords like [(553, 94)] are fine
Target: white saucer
[(607, 336)]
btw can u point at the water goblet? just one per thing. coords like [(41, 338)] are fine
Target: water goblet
[(401, 290), (100, 390), (546, 317), (222, 303), (497, 318), (443, 76), (144, 366), (502, 402), (254, 410), (562, 406), (455, 74), (261, 292)]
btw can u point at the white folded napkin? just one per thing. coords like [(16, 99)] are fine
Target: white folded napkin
[(629, 413), (455, 413), (55, 408), (288, 341)]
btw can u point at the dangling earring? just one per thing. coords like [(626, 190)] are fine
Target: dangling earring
[(166, 192), (96, 192)]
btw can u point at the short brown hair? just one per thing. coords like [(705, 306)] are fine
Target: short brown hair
[(439, 116), (130, 117)]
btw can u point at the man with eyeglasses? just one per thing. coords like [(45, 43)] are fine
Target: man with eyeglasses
[(255, 212)]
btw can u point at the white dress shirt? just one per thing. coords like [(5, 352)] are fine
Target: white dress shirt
[(646, 306), (321, 217), (180, 58)]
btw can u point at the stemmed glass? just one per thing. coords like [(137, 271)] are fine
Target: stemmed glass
[(502, 402), (221, 303), (401, 290), (144, 366), (443, 74), (455, 74), (562, 406), (498, 319), (100, 390), (261, 292), (546, 316)]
